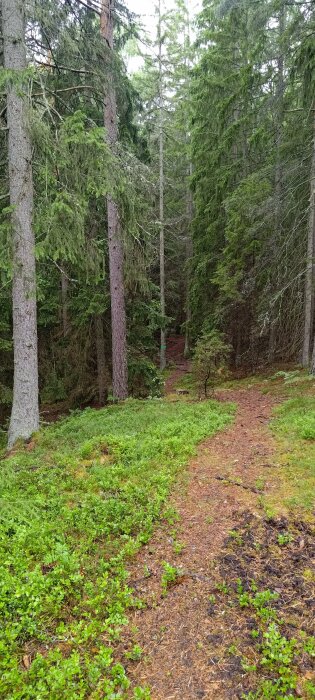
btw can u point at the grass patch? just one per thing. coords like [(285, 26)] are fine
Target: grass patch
[(294, 429), (188, 383), (75, 504)]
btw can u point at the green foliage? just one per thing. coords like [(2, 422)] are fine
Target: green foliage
[(260, 601), (294, 429), (135, 654), (284, 538), (210, 359), (277, 655), (310, 690), (169, 576), (251, 187), (297, 417), (75, 504), (144, 377)]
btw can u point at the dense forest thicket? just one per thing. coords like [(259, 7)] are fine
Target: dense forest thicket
[(180, 197)]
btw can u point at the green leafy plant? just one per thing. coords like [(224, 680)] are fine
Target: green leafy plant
[(284, 538), (309, 646), (144, 377), (236, 537), (135, 654), (169, 577), (310, 690), (178, 547)]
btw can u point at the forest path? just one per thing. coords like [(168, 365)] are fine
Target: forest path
[(175, 356), (178, 633)]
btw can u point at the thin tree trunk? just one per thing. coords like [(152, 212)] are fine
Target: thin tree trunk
[(313, 358), (161, 198), (279, 169), (310, 270), (64, 303), (115, 244), (190, 204), (280, 87), (189, 252), (25, 412), (101, 360)]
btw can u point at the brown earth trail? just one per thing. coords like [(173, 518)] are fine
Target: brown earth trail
[(178, 633)]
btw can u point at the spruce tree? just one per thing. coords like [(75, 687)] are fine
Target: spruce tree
[(25, 413)]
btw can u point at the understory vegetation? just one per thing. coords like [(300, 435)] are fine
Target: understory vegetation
[(294, 428), (76, 502), (266, 589)]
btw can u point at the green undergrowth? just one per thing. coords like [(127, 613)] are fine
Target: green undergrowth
[(76, 503), (285, 383), (265, 595), (188, 383), (294, 429)]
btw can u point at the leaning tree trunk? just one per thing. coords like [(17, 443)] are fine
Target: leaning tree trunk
[(115, 244), (310, 270), (161, 185), (25, 412)]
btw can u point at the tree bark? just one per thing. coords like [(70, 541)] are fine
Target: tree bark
[(190, 204), (189, 253), (115, 244), (161, 197), (310, 270), (64, 303), (279, 169), (25, 412), (101, 360)]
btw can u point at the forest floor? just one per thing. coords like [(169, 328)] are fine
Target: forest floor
[(164, 549), (227, 581)]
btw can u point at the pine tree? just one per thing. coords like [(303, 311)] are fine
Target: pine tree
[(115, 246)]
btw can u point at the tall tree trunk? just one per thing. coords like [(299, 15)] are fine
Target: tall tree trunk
[(310, 270), (161, 184), (280, 87), (115, 244), (190, 203), (25, 412), (189, 252), (101, 360)]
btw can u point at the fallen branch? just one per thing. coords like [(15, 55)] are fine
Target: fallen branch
[(237, 483)]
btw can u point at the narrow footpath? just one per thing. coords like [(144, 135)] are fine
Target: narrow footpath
[(178, 633)]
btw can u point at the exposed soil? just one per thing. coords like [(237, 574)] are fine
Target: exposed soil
[(180, 633), (255, 554)]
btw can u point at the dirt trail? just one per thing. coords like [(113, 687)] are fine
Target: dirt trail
[(175, 355), (177, 632)]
